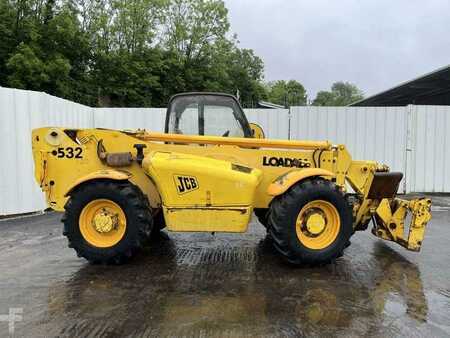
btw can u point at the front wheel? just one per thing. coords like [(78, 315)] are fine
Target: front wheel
[(311, 223), (261, 214), (107, 222)]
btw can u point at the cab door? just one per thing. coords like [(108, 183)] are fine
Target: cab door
[(207, 115)]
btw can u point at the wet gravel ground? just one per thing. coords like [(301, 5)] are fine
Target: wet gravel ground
[(200, 285)]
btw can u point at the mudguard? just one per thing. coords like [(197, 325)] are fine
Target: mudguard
[(284, 182), (111, 174)]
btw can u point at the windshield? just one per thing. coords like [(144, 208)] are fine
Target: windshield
[(211, 115)]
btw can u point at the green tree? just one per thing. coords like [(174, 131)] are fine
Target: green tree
[(341, 94), (246, 73), (124, 53), (50, 53), (194, 38), (28, 70), (287, 93), (126, 79), (125, 66), (201, 55), (8, 41), (192, 26)]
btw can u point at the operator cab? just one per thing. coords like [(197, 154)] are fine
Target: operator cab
[(210, 114)]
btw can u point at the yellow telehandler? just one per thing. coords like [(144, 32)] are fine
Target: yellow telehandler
[(209, 171)]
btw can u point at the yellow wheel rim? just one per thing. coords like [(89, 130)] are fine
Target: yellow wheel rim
[(102, 223), (318, 225)]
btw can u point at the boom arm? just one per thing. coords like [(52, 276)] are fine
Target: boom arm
[(233, 141)]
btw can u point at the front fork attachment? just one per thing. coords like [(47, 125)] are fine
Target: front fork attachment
[(390, 221)]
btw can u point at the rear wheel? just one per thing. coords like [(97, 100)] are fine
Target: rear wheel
[(159, 222), (107, 222), (311, 223)]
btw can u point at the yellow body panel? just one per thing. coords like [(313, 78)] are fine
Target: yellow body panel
[(65, 161), (198, 192), (195, 181), (224, 219)]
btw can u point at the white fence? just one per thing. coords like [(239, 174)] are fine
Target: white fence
[(375, 133), (428, 149), (274, 122), (20, 112), (130, 118), (410, 139)]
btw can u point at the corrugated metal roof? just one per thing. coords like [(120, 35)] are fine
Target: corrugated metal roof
[(429, 89)]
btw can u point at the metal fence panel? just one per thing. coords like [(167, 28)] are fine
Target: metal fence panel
[(428, 152), (274, 122), (20, 112), (371, 133), (151, 119)]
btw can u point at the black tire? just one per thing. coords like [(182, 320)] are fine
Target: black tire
[(133, 203), (158, 224), (283, 214), (261, 214), (158, 221)]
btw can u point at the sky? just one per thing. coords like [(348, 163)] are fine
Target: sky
[(375, 44)]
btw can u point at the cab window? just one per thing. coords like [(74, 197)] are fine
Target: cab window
[(188, 123), (221, 121), (211, 115)]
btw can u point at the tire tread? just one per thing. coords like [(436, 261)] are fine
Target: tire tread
[(141, 215), (281, 209)]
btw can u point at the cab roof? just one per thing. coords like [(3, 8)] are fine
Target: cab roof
[(202, 94)]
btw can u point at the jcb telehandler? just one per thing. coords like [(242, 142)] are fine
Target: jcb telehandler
[(210, 171)]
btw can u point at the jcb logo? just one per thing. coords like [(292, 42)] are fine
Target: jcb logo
[(185, 184)]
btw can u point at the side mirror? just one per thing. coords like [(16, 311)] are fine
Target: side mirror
[(257, 131)]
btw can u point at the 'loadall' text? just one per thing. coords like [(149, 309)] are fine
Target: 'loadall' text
[(285, 162)]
